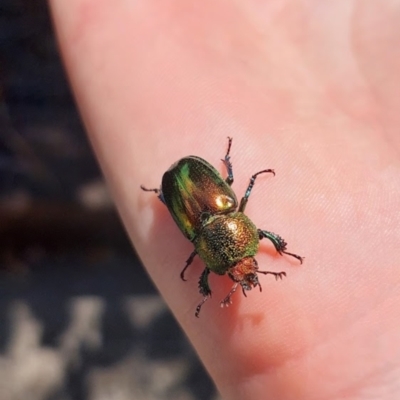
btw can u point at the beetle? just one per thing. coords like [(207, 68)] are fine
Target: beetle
[(207, 212)]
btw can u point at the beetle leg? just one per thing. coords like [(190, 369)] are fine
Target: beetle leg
[(278, 275), (204, 290), (204, 287), (158, 192), (227, 300), (279, 244), (188, 262), (246, 196), (198, 308), (228, 164)]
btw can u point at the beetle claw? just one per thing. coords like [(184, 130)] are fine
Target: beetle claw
[(226, 302), (280, 275)]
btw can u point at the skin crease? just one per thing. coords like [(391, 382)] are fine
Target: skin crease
[(308, 88)]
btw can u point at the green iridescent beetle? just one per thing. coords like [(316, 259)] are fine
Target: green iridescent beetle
[(206, 210)]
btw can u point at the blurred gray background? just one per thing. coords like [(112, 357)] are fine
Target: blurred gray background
[(79, 318)]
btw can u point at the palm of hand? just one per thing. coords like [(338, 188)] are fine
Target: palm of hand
[(309, 89)]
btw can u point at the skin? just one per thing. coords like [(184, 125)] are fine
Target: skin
[(308, 88)]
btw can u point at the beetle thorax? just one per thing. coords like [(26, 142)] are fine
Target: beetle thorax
[(225, 240)]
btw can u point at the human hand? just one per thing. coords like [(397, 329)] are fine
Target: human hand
[(310, 89)]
